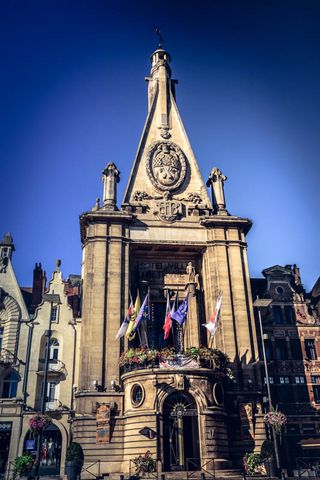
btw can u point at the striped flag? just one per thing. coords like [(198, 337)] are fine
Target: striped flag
[(124, 326), (212, 325), (168, 320)]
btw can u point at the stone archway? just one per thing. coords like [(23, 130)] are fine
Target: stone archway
[(180, 432), (51, 446)]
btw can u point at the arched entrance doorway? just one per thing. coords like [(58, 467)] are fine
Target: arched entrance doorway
[(50, 456), (180, 432)]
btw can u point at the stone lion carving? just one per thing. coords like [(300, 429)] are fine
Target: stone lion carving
[(166, 166)]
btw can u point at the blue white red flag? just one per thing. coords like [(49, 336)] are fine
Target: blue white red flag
[(168, 320)]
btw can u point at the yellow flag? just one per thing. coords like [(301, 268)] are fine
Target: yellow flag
[(136, 309)]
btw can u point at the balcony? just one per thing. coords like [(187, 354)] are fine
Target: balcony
[(55, 368), (8, 359), (169, 359), (54, 405)]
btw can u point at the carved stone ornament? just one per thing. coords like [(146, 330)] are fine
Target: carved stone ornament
[(168, 211), (139, 196), (166, 166)]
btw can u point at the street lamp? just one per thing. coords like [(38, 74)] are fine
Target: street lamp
[(259, 304)]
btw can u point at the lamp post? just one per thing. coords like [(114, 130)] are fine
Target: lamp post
[(264, 303)]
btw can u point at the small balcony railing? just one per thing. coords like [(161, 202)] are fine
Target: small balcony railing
[(55, 367), (53, 405), (8, 358)]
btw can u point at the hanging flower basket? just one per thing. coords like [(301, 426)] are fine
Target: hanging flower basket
[(276, 420), (39, 423)]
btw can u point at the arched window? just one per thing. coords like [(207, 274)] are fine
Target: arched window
[(54, 349), (10, 385)]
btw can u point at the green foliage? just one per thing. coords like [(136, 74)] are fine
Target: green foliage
[(22, 465), (267, 450), (253, 464), (144, 464), (74, 452)]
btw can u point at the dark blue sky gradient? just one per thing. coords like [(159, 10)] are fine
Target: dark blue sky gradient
[(73, 98)]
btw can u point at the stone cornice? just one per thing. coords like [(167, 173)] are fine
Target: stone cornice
[(228, 221), (103, 216)]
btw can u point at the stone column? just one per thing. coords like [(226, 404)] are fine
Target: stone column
[(110, 178), (216, 182)]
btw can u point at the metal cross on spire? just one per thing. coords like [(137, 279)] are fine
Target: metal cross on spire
[(157, 30)]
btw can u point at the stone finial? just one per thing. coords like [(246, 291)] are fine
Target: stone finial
[(58, 265), (110, 178), (96, 205), (216, 181)]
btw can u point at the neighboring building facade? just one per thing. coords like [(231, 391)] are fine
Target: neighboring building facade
[(24, 335), (292, 327)]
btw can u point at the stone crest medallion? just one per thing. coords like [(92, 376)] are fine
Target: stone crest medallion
[(166, 166)]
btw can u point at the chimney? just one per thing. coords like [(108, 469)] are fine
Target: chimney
[(38, 285)]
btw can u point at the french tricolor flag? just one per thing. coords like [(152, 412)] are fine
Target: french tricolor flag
[(212, 325)]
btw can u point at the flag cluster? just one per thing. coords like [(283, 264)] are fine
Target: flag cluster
[(138, 315)]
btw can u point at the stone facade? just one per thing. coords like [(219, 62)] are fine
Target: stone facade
[(166, 222)]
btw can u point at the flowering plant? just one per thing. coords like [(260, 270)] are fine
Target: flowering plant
[(138, 356), (253, 464), (39, 422), (144, 464), (276, 420)]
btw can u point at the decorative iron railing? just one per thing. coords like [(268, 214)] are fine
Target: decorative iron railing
[(7, 358)]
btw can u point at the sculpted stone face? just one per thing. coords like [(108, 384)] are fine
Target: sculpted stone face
[(166, 166)]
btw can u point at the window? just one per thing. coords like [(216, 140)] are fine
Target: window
[(279, 290), (10, 385), (316, 393), (54, 349), (289, 314), (293, 429), (281, 349), (310, 347), (277, 314), (285, 394), (51, 391), (296, 351), (284, 380), (309, 428), (1, 337), (299, 380), (137, 395), (315, 379), (54, 313), (270, 380), (268, 349)]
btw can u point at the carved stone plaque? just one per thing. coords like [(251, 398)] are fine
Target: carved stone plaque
[(166, 166), (168, 210)]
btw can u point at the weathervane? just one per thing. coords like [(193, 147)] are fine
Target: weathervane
[(157, 30)]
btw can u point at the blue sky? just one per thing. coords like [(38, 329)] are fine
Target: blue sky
[(73, 98)]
